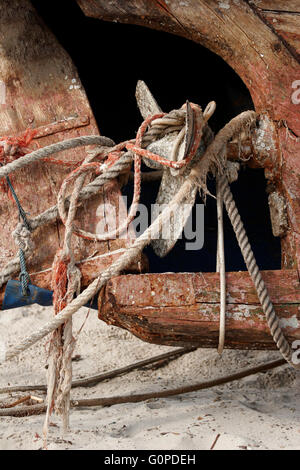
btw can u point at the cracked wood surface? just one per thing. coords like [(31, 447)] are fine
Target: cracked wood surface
[(291, 6), (183, 308)]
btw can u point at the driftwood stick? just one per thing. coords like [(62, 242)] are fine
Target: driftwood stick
[(93, 380), (109, 401), (215, 441), (17, 402)]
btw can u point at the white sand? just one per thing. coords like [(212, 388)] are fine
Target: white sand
[(259, 412)]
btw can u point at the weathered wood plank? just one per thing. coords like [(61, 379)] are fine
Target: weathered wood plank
[(292, 6), (241, 35), (183, 308), (44, 92), (184, 289), (287, 26)]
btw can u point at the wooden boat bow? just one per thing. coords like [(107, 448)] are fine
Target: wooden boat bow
[(45, 92)]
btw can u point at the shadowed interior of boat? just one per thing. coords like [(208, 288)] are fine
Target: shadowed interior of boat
[(110, 58)]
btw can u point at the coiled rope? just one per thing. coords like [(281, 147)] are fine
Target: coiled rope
[(214, 159), (165, 124), (66, 276)]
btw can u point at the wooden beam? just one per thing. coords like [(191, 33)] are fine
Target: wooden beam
[(183, 309), (89, 268)]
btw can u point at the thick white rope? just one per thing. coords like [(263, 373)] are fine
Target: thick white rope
[(54, 148), (212, 160), (113, 270)]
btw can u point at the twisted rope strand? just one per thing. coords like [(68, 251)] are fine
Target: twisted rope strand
[(209, 162), (54, 148), (113, 270), (248, 255)]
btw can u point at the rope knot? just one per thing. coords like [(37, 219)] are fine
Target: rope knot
[(14, 147), (22, 237), (9, 151), (11, 148)]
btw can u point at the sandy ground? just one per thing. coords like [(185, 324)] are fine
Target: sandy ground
[(259, 412)]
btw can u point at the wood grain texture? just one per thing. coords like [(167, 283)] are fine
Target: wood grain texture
[(44, 92), (292, 6), (266, 59), (183, 309)]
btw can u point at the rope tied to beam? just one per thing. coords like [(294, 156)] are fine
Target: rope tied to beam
[(117, 161), (64, 270)]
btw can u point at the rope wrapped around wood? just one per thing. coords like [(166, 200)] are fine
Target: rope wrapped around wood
[(215, 161), (165, 124)]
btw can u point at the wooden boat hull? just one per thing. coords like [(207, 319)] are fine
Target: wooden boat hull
[(183, 308), (45, 92), (261, 42)]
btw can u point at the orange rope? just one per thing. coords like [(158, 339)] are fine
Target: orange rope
[(135, 146), (17, 146), (59, 283)]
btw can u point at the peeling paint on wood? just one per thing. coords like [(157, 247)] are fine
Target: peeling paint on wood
[(44, 92), (278, 214), (183, 308)]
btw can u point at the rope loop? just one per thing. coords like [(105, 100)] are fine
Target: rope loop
[(213, 160)]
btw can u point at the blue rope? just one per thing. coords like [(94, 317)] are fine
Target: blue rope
[(21, 210), (24, 276)]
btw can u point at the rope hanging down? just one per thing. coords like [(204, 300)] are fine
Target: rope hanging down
[(213, 160), (24, 276), (118, 160)]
